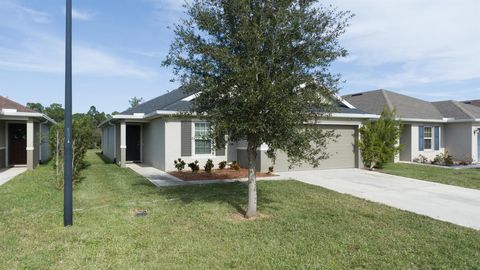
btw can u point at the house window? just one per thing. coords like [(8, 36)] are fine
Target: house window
[(203, 145), (427, 137)]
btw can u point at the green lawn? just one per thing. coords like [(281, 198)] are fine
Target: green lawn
[(305, 227), (469, 178)]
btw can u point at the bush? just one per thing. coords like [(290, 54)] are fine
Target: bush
[(222, 165), (421, 159), (81, 140), (209, 166), (179, 164), (378, 142), (466, 162), (234, 165), (194, 166), (270, 169), (443, 159)]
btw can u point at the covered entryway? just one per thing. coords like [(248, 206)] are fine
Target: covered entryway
[(134, 143), (343, 152), (17, 144)]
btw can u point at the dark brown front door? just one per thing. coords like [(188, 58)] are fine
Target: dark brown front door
[(133, 142), (17, 144)]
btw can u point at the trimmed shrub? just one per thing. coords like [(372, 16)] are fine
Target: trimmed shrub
[(222, 165), (235, 166), (194, 166), (208, 166), (179, 164), (270, 169)]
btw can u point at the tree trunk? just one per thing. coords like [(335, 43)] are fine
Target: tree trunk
[(252, 181)]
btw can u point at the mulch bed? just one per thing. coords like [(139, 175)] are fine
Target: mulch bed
[(216, 174)]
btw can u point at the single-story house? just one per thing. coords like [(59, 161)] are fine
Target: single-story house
[(23, 135), (429, 128), (154, 134), (473, 102)]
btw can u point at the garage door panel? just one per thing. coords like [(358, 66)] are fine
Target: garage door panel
[(342, 152)]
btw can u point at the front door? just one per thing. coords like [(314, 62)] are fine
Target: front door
[(133, 142), (17, 144)]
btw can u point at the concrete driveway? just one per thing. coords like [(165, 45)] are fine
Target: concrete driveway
[(443, 202)]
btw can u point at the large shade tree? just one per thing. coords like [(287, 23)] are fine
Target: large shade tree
[(261, 71)]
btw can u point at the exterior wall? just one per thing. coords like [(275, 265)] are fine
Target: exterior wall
[(406, 142), (45, 151), (118, 152), (3, 145), (154, 144), (476, 143), (430, 154), (36, 144), (108, 142), (459, 139), (173, 148)]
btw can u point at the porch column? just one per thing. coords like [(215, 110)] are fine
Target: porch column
[(30, 144), (358, 154), (123, 143)]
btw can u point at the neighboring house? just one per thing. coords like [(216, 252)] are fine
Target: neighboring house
[(154, 133), (429, 128), (23, 135)]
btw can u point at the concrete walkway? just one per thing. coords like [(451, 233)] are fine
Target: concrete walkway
[(10, 173), (162, 179), (443, 202)]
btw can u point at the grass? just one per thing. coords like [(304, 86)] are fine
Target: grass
[(469, 178), (305, 227)]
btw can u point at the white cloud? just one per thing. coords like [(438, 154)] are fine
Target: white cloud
[(82, 15), (37, 50), (429, 40)]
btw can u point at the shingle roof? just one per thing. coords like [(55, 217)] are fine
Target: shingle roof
[(171, 101), (406, 107), (473, 102), (457, 110), (174, 101), (6, 103)]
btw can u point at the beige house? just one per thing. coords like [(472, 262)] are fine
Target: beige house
[(153, 134), (430, 128), (23, 135)]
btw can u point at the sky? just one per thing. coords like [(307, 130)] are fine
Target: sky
[(428, 49)]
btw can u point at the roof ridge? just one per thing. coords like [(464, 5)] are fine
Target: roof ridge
[(16, 103), (456, 103), (389, 103)]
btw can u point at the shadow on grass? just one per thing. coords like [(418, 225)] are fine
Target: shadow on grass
[(234, 194), (104, 158)]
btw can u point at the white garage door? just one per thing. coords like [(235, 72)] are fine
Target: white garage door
[(342, 152)]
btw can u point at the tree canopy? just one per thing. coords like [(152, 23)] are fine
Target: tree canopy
[(261, 71)]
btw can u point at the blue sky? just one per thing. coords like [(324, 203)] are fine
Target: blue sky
[(428, 49)]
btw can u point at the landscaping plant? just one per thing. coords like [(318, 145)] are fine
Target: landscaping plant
[(222, 165), (179, 164), (194, 166), (208, 166), (261, 62), (234, 166), (379, 140), (270, 169)]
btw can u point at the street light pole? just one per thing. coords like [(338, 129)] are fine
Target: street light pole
[(67, 190)]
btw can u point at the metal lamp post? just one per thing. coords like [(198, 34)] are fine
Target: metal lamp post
[(67, 191)]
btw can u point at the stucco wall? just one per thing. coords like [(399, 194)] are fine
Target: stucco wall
[(36, 144), (118, 152), (173, 148), (108, 142), (475, 143), (2, 145), (430, 154), (154, 144), (406, 142), (45, 151), (459, 138)]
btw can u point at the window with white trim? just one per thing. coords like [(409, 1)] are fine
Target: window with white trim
[(203, 145), (427, 137)]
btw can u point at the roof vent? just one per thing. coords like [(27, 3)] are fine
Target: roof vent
[(356, 95)]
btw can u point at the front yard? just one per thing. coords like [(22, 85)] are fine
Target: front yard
[(469, 178), (303, 226)]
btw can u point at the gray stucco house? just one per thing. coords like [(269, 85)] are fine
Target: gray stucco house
[(430, 128), (152, 133), (23, 135)]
